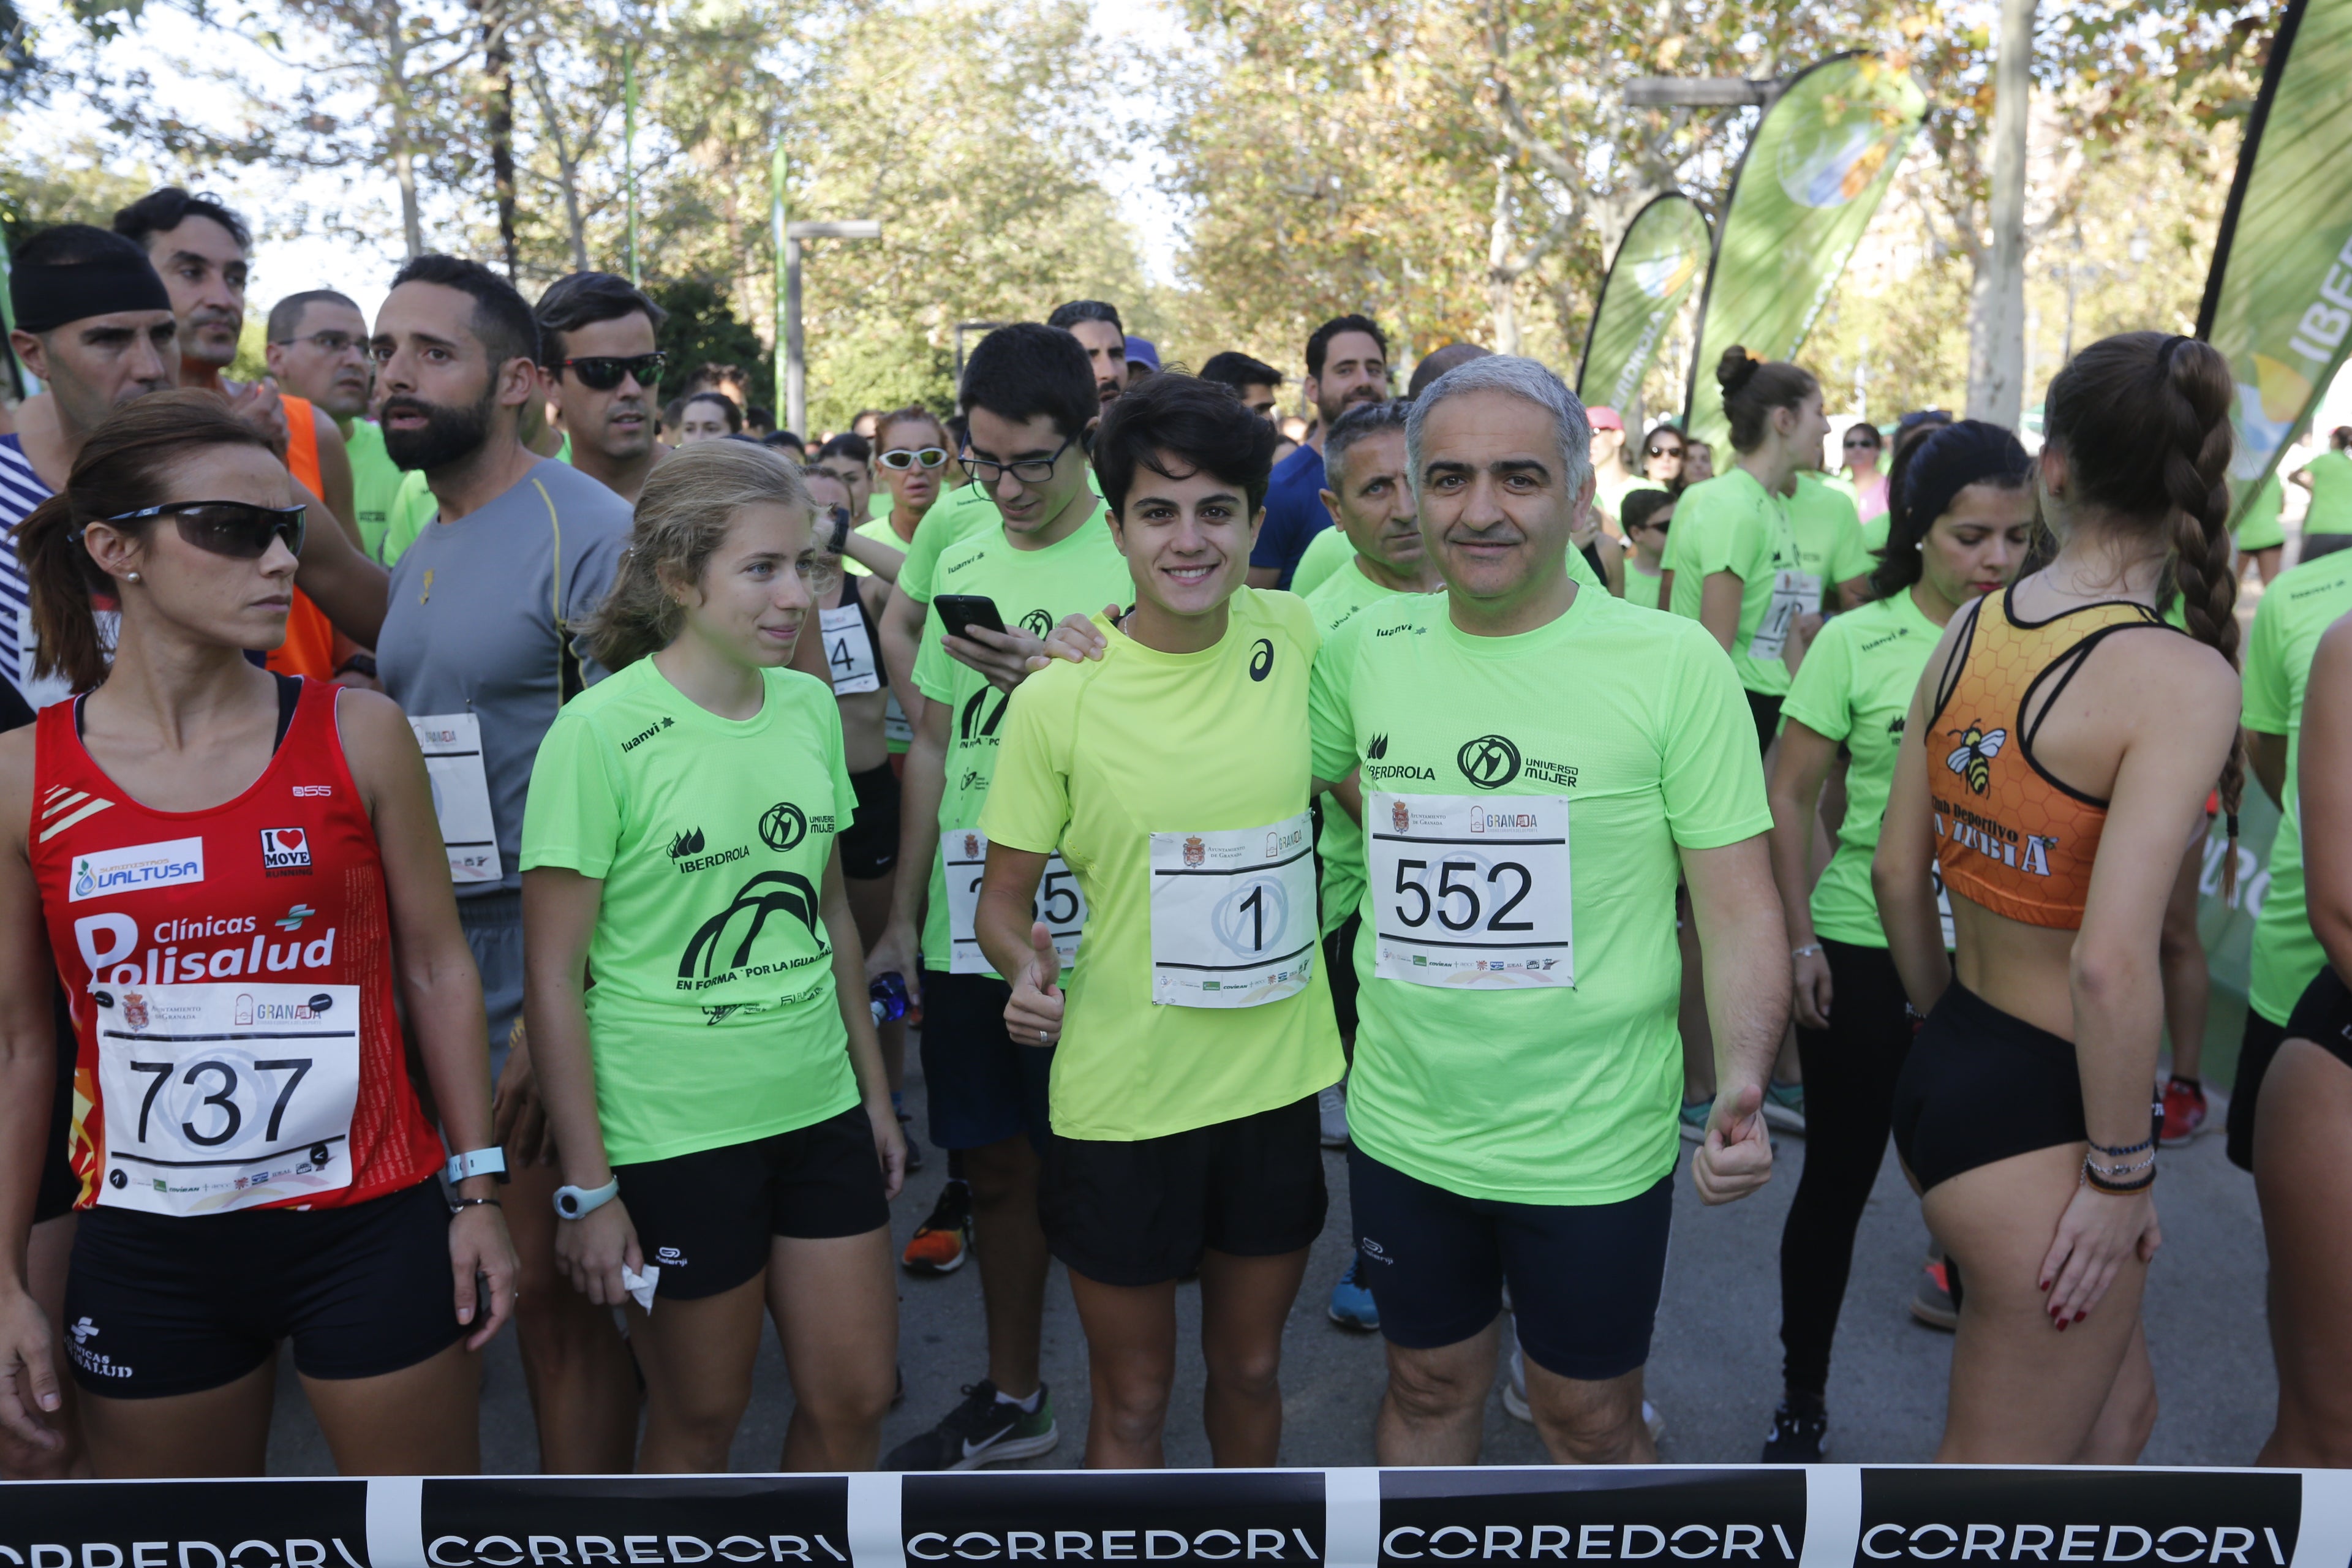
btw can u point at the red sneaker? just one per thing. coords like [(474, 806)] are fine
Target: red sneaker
[(2184, 1112)]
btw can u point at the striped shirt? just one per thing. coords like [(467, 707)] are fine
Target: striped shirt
[(21, 491)]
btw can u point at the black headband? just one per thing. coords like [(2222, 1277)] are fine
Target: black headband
[(1970, 452), (45, 297)]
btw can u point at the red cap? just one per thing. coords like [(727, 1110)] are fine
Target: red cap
[(1601, 416)]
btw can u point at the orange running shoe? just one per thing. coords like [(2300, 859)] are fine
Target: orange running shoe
[(942, 1242)]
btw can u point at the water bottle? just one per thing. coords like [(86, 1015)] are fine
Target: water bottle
[(887, 996)]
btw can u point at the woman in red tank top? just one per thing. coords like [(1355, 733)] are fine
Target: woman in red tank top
[(2056, 758), (230, 871)]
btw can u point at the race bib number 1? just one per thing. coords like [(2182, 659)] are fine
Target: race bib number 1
[(1233, 915), (1470, 892), (223, 1096), (452, 744), (848, 652), (1794, 593), (1059, 902)]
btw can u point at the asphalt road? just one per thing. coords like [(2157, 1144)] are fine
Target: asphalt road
[(1714, 1372)]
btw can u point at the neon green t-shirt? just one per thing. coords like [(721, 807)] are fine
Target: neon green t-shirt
[(1341, 845), (1856, 685), (877, 529), (1873, 535), (1200, 757), (2259, 526), (1033, 589), (1517, 1088), (2331, 494), (1729, 523), (1328, 551), (1829, 542), (413, 509), (713, 1019), (375, 484), (2299, 605), (1610, 495)]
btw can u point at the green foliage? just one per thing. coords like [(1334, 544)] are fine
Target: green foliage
[(702, 329), (37, 191)]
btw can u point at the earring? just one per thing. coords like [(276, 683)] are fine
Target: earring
[(1921, 547), (133, 576)]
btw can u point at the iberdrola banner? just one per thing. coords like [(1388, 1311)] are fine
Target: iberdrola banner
[(1814, 173), (1658, 264), (2278, 302)]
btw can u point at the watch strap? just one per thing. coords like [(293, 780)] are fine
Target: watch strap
[(491, 1162), (573, 1203)]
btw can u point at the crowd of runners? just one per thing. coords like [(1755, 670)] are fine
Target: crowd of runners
[(478, 842)]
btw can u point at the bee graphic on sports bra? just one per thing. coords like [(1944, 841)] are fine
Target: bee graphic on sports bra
[(1972, 758)]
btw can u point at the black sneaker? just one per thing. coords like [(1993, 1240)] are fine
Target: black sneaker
[(983, 1430), (1796, 1439)]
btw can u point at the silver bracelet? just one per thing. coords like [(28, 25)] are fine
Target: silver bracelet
[(1809, 948)]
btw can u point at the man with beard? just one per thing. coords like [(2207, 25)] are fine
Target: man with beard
[(478, 649), (317, 351), (1347, 365), (203, 250), (596, 337), (1096, 326)]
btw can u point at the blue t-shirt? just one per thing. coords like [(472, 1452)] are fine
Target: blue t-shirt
[(1294, 513)]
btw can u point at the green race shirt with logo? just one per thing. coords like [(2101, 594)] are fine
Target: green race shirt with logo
[(2299, 605), (1033, 590), (1550, 1072), (1341, 845), (1730, 524), (713, 1019)]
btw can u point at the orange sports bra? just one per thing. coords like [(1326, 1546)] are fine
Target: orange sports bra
[(2008, 834)]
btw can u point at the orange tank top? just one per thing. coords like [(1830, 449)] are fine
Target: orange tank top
[(309, 645), (2008, 834)]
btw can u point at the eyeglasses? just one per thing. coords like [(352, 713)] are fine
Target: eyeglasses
[(906, 458), (1028, 470), (1863, 442), (1665, 451), (603, 373), (328, 343), (239, 530)]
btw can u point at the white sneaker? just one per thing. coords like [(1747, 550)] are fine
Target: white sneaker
[(1514, 1399), (1331, 1109)]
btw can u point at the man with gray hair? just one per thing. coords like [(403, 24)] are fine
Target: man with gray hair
[(1518, 1068)]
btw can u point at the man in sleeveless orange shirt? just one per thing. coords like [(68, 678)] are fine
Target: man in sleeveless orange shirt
[(202, 250)]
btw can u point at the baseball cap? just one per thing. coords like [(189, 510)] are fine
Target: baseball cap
[(1601, 416), (1142, 351)]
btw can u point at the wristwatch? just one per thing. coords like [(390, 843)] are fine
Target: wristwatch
[(571, 1202), (491, 1162)]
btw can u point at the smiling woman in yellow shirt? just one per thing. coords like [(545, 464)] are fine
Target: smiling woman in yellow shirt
[(1172, 774)]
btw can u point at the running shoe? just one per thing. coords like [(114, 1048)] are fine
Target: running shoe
[(1931, 1303), (1514, 1399), (983, 1430), (1351, 1300), (942, 1242), (1796, 1438), (2186, 1112), (1694, 1115), (1331, 1109), (1784, 1107)]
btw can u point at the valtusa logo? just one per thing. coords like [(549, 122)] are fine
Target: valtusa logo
[(137, 868)]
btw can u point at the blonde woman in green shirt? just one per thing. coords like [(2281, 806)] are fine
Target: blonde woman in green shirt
[(1958, 531), (717, 1097), (1732, 563)]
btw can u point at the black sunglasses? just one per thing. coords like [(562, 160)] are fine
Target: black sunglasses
[(602, 372), (1853, 441), (239, 530), (1665, 452)]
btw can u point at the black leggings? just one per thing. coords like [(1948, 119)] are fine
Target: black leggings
[(1850, 1072)]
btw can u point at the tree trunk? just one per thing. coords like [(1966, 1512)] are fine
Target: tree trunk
[(497, 82), (397, 94), (1500, 276), (567, 166), (1997, 332)]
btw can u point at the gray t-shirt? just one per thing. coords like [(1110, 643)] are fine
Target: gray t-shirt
[(472, 624)]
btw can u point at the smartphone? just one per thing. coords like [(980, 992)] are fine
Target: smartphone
[(958, 612)]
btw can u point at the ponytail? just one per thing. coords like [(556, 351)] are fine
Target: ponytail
[(1752, 388), (2139, 396), (62, 577)]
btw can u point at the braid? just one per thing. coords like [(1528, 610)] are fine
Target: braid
[(2196, 459)]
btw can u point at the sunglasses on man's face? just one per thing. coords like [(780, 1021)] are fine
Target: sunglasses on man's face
[(603, 373), (239, 530), (906, 458)]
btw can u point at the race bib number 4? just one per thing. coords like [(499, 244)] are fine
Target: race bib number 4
[(1793, 594), (452, 744), (1058, 903), (848, 652), (226, 1096), (1233, 915), (1471, 893)]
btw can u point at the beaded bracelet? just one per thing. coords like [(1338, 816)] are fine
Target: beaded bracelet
[(2127, 1149)]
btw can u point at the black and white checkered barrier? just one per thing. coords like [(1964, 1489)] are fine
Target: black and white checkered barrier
[(1827, 1516)]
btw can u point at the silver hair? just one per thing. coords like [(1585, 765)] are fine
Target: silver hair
[(1521, 378), (1364, 419)]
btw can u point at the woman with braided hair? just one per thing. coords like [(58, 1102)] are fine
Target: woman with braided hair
[(2057, 755)]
